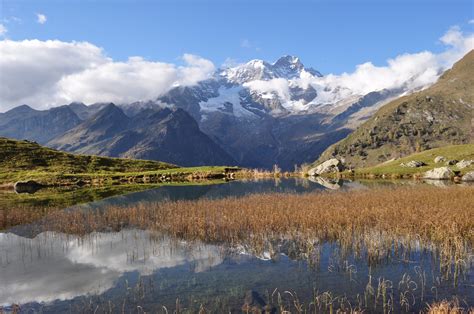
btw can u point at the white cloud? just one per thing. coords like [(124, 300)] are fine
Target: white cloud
[(471, 21), (414, 70), (50, 73), (410, 71), (3, 30), (41, 18)]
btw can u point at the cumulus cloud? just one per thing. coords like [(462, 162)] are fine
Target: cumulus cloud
[(41, 18), (406, 71), (410, 71), (3, 30), (278, 86), (50, 73)]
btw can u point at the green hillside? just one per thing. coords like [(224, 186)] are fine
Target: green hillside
[(452, 152), (25, 160), (435, 117)]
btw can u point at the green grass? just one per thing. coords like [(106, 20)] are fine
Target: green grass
[(24, 160), (458, 152)]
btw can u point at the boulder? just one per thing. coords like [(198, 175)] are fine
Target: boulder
[(413, 164), (331, 165), (439, 159), (468, 177), (451, 162), (27, 186), (443, 173), (464, 164)]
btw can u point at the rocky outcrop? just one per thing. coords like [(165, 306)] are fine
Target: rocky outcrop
[(464, 164), (468, 177), (331, 165), (413, 164), (442, 173), (439, 159)]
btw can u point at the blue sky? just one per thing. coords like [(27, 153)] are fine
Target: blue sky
[(331, 36)]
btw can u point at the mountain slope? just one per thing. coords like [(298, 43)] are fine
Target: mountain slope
[(24, 122), (170, 135), (437, 116), (266, 113)]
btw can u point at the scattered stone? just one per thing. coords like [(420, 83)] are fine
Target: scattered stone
[(413, 164), (451, 162), (29, 187), (464, 164), (443, 173), (331, 165), (439, 159), (468, 177)]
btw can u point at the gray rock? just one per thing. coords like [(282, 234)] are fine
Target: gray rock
[(464, 164), (451, 162), (413, 164), (331, 165), (439, 159), (442, 173), (27, 186), (468, 177)]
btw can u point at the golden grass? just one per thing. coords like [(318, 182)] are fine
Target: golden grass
[(448, 307), (370, 223)]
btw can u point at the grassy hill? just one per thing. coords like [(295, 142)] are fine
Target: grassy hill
[(25, 160), (438, 116), (393, 168)]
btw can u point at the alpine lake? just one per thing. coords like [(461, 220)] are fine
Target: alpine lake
[(145, 265)]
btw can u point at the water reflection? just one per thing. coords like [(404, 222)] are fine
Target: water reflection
[(55, 272), (57, 266)]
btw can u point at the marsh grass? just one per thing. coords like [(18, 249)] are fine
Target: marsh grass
[(372, 224)]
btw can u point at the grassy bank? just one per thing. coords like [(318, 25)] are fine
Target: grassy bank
[(395, 170), (24, 160)]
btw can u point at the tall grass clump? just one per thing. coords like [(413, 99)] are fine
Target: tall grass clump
[(372, 224)]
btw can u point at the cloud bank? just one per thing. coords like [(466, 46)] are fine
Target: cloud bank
[(407, 71), (50, 73)]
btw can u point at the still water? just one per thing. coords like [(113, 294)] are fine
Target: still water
[(133, 270)]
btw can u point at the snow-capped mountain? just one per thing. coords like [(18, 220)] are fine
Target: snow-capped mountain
[(264, 113), (259, 113), (287, 67)]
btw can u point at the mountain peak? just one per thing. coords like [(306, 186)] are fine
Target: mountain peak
[(288, 60), (20, 109), (286, 66)]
